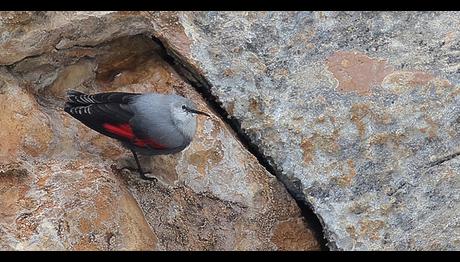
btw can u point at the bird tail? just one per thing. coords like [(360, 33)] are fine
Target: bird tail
[(76, 98), (79, 99)]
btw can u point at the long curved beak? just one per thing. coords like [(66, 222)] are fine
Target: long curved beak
[(197, 112)]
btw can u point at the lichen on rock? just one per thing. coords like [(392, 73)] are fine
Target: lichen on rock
[(351, 111)]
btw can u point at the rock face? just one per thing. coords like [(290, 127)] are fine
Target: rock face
[(62, 186), (358, 111)]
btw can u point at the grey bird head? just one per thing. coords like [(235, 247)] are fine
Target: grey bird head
[(184, 112)]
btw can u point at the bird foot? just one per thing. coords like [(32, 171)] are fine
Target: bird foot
[(142, 174), (132, 169)]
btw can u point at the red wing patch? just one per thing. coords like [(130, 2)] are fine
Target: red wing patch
[(148, 142), (125, 131)]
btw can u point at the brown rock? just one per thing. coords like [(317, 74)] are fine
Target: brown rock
[(54, 207), (62, 183), (291, 235), (20, 113)]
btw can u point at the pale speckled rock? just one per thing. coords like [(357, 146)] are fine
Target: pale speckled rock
[(62, 182), (353, 108)]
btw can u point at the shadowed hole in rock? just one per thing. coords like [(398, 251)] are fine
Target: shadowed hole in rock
[(11, 171), (199, 82)]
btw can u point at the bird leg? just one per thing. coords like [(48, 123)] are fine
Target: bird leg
[(139, 169)]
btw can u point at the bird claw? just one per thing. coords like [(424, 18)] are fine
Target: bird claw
[(132, 169), (142, 174)]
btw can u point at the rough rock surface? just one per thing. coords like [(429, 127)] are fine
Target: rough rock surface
[(61, 184), (358, 111)]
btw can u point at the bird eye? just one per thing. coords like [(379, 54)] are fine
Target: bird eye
[(183, 107)]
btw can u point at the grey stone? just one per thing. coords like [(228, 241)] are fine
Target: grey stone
[(358, 106)]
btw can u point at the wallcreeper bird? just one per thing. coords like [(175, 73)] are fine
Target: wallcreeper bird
[(148, 124)]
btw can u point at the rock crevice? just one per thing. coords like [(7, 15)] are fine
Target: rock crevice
[(72, 195), (201, 85), (444, 159), (357, 120)]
